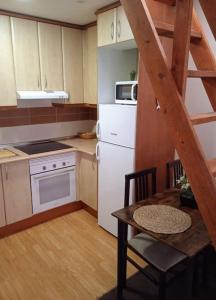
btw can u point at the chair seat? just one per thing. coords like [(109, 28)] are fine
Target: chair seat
[(156, 253)]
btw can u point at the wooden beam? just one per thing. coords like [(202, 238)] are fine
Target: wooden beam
[(204, 59), (212, 166), (201, 74), (181, 43), (203, 118), (169, 2), (209, 8), (174, 111), (158, 148)]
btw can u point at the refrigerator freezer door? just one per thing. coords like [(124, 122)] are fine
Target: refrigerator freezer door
[(114, 162), (117, 124)]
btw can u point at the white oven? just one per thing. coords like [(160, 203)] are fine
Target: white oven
[(53, 181)]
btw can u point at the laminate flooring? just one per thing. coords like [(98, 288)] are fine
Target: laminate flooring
[(70, 257)]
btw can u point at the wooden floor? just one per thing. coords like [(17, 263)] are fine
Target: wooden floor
[(67, 258)]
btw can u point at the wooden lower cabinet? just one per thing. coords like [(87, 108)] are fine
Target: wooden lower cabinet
[(2, 207), (17, 191), (87, 179)]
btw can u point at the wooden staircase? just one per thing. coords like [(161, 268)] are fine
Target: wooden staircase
[(170, 84)]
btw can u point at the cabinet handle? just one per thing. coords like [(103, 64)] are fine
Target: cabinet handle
[(97, 152), (119, 29), (112, 31), (45, 83), (38, 83), (98, 129)]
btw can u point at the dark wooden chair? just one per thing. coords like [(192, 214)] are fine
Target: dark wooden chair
[(144, 185), (174, 170), (161, 258)]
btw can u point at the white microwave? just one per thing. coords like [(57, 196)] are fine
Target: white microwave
[(126, 92)]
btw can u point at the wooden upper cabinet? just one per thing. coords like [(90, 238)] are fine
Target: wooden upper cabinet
[(106, 22), (2, 208), (7, 82), (26, 54), (50, 47), (113, 26), (124, 32), (17, 191), (90, 65), (73, 63)]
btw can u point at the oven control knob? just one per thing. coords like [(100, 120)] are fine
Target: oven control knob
[(44, 168), (64, 164), (54, 165)]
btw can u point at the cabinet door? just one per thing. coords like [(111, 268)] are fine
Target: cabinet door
[(107, 27), (2, 208), (124, 32), (17, 191), (73, 63), (26, 54), (90, 65), (88, 180), (7, 82), (50, 46)]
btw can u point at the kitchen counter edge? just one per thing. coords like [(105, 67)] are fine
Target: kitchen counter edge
[(80, 145)]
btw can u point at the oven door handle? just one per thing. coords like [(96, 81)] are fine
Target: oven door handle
[(49, 174)]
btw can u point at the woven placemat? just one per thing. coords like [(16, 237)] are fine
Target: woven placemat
[(162, 219)]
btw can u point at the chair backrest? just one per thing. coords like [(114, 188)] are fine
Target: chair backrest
[(144, 185), (174, 170)]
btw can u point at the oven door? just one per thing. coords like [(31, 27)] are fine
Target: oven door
[(52, 189)]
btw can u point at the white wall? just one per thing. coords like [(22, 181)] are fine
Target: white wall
[(196, 98)]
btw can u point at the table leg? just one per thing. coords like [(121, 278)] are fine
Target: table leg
[(162, 287), (122, 262)]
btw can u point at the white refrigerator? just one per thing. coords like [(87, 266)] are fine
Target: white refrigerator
[(116, 132)]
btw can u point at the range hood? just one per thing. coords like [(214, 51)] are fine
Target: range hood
[(27, 95)]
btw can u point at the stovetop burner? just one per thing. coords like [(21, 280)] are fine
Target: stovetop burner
[(42, 147)]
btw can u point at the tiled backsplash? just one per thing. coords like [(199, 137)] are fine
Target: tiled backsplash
[(44, 115), (22, 134)]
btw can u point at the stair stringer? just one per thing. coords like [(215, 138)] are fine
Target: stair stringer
[(173, 110)]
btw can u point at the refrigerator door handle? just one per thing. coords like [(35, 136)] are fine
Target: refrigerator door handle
[(98, 129), (97, 152)]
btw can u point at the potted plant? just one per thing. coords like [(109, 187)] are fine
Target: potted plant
[(186, 193), (132, 75)]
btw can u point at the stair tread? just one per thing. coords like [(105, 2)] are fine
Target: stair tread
[(201, 74), (212, 165), (166, 29), (203, 118)]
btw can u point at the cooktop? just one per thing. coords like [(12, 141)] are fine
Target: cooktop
[(36, 148)]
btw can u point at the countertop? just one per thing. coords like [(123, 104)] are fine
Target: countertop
[(81, 145)]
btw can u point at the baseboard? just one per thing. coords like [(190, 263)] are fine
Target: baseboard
[(40, 218), (90, 210)]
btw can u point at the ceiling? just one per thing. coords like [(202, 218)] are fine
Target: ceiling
[(73, 11)]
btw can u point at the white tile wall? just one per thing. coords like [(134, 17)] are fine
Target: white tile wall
[(19, 134)]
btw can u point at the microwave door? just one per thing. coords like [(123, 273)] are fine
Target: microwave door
[(123, 92)]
